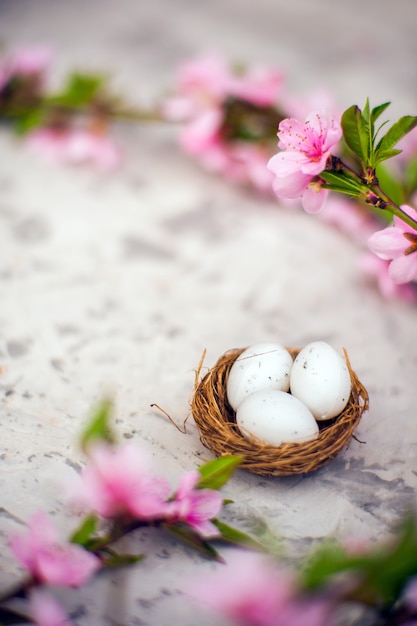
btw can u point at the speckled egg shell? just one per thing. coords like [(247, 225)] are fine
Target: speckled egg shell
[(321, 380), (262, 366), (275, 417)]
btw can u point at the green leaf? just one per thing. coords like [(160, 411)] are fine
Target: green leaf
[(381, 574), (411, 177), (384, 148), (390, 185), (356, 132), (85, 531), (113, 559), (328, 560), (342, 181), (186, 534), (237, 537), (217, 472), (378, 110), (80, 90), (98, 428), (30, 119)]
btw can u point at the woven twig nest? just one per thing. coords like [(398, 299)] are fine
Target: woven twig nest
[(215, 420)]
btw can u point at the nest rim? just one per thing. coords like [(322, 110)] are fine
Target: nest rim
[(215, 421)]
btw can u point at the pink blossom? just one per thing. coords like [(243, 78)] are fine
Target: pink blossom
[(45, 610), (249, 590), (25, 62), (75, 146), (305, 149), (398, 243), (247, 166), (377, 271), (195, 507), (259, 85), (29, 61), (118, 482), (49, 560), (205, 88), (348, 217)]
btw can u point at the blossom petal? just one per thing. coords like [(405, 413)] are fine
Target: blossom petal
[(404, 268), (313, 199), (388, 243)]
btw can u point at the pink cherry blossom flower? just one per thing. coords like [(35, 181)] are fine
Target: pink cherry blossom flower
[(305, 149), (398, 243), (49, 560), (377, 270), (206, 87), (45, 610), (195, 507), (249, 590), (117, 481), (75, 146), (29, 61), (348, 217), (25, 62), (247, 166)]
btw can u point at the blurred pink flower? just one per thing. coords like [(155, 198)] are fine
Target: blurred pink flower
[(305, 149), (45, 610), (25, 62), (258, 85), (195, 507), (206, 82), (50, 561), (398, 243), (117, 481), (348, 217), (205, 88), (75, 146), (250, 590), (248, 166), (377, 270), (29, 61)]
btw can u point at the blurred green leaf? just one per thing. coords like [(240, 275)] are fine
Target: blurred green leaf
[(79, 90), (112, 559), (410, 182), (329, 559), (186, 534), (98, 429), (29, 120), (390, 185), (237, 537), (85, 531), (217, 472), (381, 573)]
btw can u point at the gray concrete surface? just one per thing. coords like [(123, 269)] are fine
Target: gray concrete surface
[(116, 284)]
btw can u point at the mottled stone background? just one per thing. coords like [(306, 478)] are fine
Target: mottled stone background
[(116, 284)]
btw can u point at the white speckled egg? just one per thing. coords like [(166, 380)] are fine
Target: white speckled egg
[(321, 380), (262, 366), (276, 417)]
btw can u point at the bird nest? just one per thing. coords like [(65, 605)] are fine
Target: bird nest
[(216, 422)]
